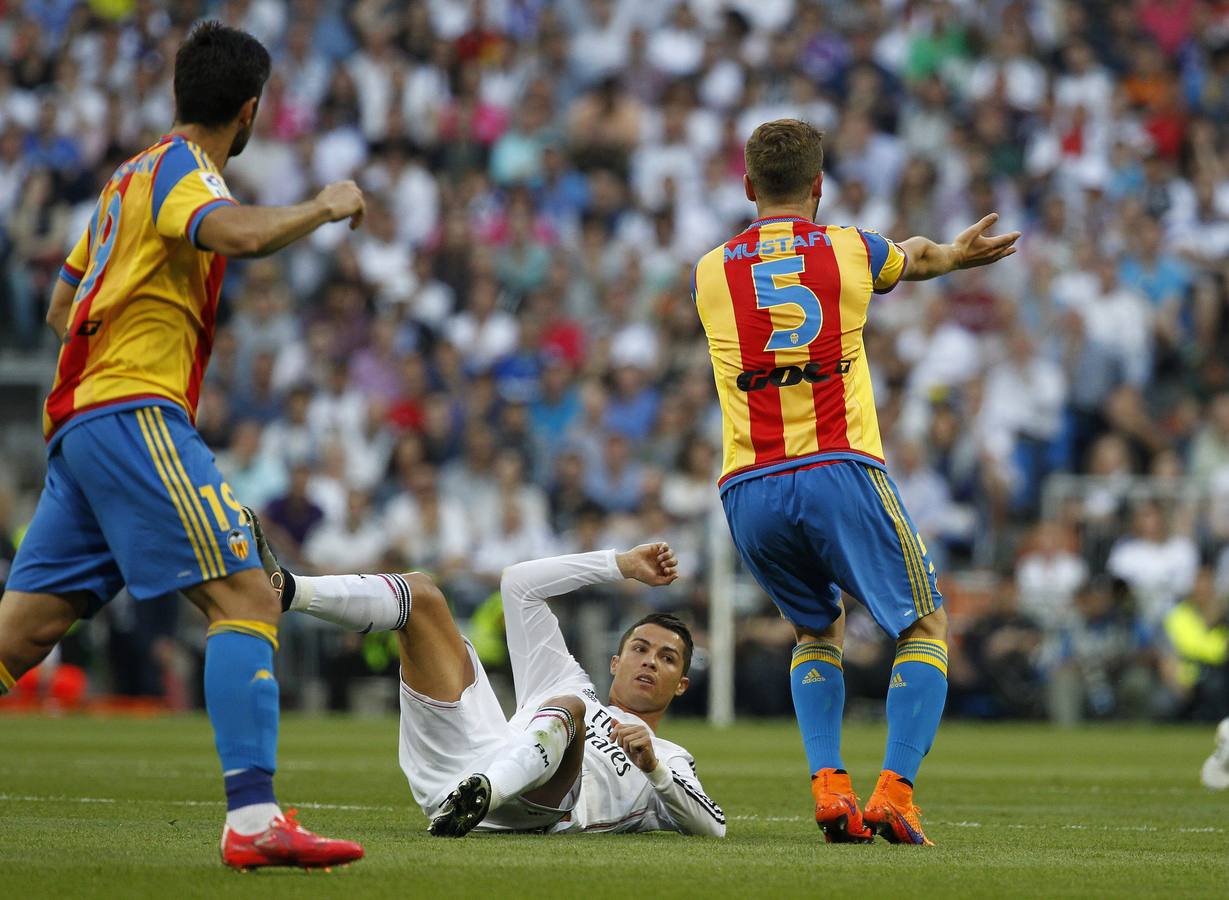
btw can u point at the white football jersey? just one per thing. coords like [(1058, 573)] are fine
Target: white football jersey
[(614, 794)]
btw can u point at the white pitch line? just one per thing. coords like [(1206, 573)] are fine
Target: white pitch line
[(30, 798), (1070, 826)]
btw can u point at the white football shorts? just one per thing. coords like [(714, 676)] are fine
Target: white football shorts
[(444, 743)]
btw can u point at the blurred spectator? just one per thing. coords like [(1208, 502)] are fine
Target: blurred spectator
[(1157, 564), (255, 475), (928, 497), (426, 530), (291, 517), (687, 492), (1098, 671), (259, 399), (1049, 574), (1198, 631), (37, 233), (511, 538), (354, 543), (291, 438), (1002, 653), (483, 333), (1210, 449), (617, 482), (1024, 400)]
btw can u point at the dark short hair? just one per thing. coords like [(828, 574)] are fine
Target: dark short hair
[(217, 70), (670, 623), (783, 157)]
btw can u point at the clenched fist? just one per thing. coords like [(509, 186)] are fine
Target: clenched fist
[(653, 564), (343, 200), (637, 742)]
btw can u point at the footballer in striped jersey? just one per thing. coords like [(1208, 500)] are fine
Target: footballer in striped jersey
[(804, 481), (132, 496)]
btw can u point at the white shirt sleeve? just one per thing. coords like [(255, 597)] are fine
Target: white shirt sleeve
[(540, 658), (680, 790)]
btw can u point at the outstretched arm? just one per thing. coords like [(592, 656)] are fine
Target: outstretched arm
[(540, 657), (539, 579), (971, 248), (241, 231)]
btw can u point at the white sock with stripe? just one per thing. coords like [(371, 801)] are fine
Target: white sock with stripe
[(531, 758), (361, 603)]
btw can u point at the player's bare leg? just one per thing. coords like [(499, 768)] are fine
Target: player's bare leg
[(241, 695), (30, 626), (434, 659), (818, 687), (916, 695)]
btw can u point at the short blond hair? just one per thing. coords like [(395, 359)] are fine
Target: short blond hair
[(783, 158)]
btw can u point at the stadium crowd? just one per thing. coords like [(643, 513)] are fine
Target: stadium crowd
[(505, 362)]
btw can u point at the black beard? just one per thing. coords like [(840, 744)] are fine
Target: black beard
[(240, 141)]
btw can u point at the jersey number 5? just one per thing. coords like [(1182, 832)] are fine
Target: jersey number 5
[(769, 293)]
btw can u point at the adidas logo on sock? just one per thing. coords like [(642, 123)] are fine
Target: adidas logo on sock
[(813, 677), (897, 681)]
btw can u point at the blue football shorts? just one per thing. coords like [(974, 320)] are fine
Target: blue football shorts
[(807, 534), (132, 497)]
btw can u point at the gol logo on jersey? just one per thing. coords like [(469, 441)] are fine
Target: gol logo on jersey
[(239, 543)]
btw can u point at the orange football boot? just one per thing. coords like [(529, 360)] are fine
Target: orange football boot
[(836, 808), (286, 843), (890, 812)]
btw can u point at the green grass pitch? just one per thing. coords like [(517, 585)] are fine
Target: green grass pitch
[(118, 808)]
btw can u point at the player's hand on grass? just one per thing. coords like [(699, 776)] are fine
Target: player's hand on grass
[(343, 200), (972, 247), (653, 564), (637, 742)]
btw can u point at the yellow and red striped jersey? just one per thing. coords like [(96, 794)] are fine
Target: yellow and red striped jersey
[(142, 320), (783, 305)]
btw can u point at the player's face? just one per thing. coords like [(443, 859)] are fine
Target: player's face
[(648, 672)]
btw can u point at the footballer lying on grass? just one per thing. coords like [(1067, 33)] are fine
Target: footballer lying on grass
[(566, 761)]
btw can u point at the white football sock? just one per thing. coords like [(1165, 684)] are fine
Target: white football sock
[(359, 603), (252, 819), (533, 756)]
